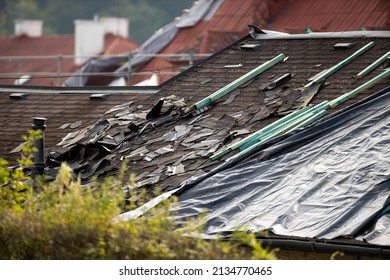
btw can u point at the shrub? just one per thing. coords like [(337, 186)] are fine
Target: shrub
[(64, 220)]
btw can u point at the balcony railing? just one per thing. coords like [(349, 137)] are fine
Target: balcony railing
[(59, 74)]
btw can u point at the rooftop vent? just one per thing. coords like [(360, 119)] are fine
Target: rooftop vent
[(250, 46), (344, 46), (99, 96), (18, 95)]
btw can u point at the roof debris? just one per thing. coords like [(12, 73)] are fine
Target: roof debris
[(167, 141)]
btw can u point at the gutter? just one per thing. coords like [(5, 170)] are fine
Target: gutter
[(324, 247)]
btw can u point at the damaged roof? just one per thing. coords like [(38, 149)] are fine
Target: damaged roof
[(172, 141), (175, 134), (327, 182), (65, 109)]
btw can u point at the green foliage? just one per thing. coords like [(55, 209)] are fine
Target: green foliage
[(65, 220)]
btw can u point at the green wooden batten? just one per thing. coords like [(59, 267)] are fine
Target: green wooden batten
[(238, 82), (308, 120), (289, 125), (277, 131), (268, 130), (297, 119), (257, 134), (339, 65), (341, 99), (373, 65), (307, 117)]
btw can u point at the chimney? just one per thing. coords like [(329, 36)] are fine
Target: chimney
[(89, 39), (39, 159), (31, 28), (116, 26)]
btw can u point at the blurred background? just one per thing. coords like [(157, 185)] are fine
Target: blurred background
[(145, 16)]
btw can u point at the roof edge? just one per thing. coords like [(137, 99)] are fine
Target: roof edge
[(269, 34), (80, 90), (321, 246)]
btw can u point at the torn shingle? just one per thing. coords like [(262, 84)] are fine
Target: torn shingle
[(18, 149), (64, 126), (205, 81), (156, 110), (140, 152), (150, 156), (75, 124), (175, 170), (231, 96), (164, 150), (119, 107), (199, 135), (279, 81), (149, 181)]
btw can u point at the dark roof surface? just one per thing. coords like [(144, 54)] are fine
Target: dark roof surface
[(75, 109), (155, 145)]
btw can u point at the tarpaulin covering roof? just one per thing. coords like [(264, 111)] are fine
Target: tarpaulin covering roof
[(330, 180)]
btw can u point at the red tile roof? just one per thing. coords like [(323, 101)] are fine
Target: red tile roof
[(118, 45), (333, 15), (228, 24), (48, 46)]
